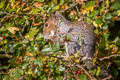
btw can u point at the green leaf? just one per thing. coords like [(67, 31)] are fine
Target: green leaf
[(91, 3), (24, 66), (40, 0), (33, 31), (61, 68), (2, 29), (4, 67), (105, 26), (114, 71), (36, 70), (5, 77), (102, 9), (50, 64), (117, 62), (17, 44), (62, 2), (38, 61), (102, 44), (93, 14), (2, 4), (68, 36), (82, 77), (99, 21), (115, 40), (46, 49), (106, 37), (108, 16), (39, 37), (35, 11), (26, 20), (98, 71), (115, 6), (55, 47), (59, 78), (17, 73)]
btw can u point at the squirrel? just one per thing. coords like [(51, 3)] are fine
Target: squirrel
[(82, 38)]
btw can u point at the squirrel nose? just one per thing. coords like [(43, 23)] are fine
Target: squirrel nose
[(52, 33)]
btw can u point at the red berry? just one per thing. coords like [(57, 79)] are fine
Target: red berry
[(79, 72), (3, 37)]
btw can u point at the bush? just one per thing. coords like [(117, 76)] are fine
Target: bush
[(25, 55)]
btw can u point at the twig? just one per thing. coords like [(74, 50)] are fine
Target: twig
[(74, 75), (24, 26), (27, 14), (108, 57), (108, 78), (5, 56), (20, 34), (73, 5), (91, 77), (2, 13), (65, 75), (49, 77), (49, 54), (3, 73), (9, 15)]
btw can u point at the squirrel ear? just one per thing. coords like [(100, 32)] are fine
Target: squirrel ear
[(57, 13), (59, 16), (51, 14)]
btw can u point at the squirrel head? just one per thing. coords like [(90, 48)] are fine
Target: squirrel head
[(49, 29), (51, 26)]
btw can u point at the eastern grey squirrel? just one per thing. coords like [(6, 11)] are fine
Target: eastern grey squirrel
[(82, 37)]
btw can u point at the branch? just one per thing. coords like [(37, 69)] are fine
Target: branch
[(5, 56), (65, 75), (73, 5), (9, 15), (3, 73), (108, 78), (27, 14), (91, 77), (108, 57), (3, 13)]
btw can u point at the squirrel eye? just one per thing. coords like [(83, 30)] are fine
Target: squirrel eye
[(46, 25)]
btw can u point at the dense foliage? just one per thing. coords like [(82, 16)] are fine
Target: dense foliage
[(24, 55)]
